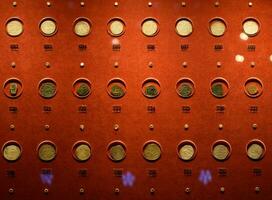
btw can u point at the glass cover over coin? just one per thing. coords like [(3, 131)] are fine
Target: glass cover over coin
[(11, 152), (47, 89), (83, 89), (48, 27), (83, 152), (82, 28), (13, 89), (150, 27), (151, 91), (217, 27), (251, 27), (116, 91), (184, 27), (253, 88), (255, 151), (221, 152), (152, 151), (117, 152), (185, 90), (47, 152), (116, 27), (14, 27), (219, 88), (186, 152)]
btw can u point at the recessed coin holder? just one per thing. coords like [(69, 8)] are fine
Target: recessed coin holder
[(47, 88), (152, 151), (184, 27), (217, 27), (11, 151), (47, 151), (253, 87), (185, 87), (116, 88), (221, 150), (82, 88), (219, 87), (82, 151), (13, 88), (251, 27), (48, 26), (151, 88), (116, 151), (82, 27), (116, 27), (186, 150), (14, 27), (255, 150), (150, 27)]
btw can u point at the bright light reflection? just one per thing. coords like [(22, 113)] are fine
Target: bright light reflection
[(239, 58)]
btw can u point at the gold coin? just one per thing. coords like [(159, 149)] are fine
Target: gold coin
[(220, 152), (14, 27), (255, 151), (11, 152), (48, 27), (152, 152), (252, 89), (251, 27), (117, 152), (116, 27), (184, 27), (82, 28), (83, 152), (186, 152), (150, 27), (47, 152), (217, 27)]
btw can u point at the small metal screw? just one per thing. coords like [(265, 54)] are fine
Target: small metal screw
[(82, 3), (252, 64), (116, 127), (222, 189), (116, 190), (187, 190), (12, 127), (116, 64), (45, 190), (46, 127), (82, 64), (47, 64), (218, 64), (216, 4), (151, 126), (81, 127), (250, 4), (254, 126), (81, 190), (116, 3), (220, 126), (13, 64), (14, 3), (257, 189), (184, 64), (183, 4), (150, 64), (186, 126), (48, 3), (150, 4), (152, 190), (11, 190)]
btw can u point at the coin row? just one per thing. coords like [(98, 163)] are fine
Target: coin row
[(116, 87), (149, 27), (117, 150)]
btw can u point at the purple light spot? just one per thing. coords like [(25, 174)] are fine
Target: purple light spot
[(128, 179), (205, 176), (47, 179)]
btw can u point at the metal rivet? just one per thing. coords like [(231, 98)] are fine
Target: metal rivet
[(220, 126), (81, 190), (149, 4), (183, 4), (13, 64), (151, 126), (116, 3), (82, 64), (150, 64), (81, 127), (47, 64), (186, 126), (152, 190), (82, 3), (45, 190), (254, 126), (11, 190), (48, 3), (116, 64), (216, 4), (116, 127), (116, 190), (187, 190), (184, 64), (14, 3), (252, 64), (250, 4), (222, 189), (46, 127), (257, 189), (218, 64), (12, 127)]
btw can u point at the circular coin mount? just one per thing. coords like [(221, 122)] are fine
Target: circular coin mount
[(82, 27), (217, 27), (184, 27), (13, 88), (14, 27), (116, 88), (47, 151), (116, 151), (116, 27), (185, 87), (48, 26), (221, 150), (11, 151), (47, 88), (255, 150), (186, 150), (152, 151), (150, 27), (219, 87), (253, 87), (151, 88), (82, 88), (82, 151), (251, 27)]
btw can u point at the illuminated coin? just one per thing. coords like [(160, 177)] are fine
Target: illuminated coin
[(185, 90), (252, 89), (83, 89), (48, 27), (116, 91), (186, 152), (14, 27), (217, 27), (218, 89), (116, 27), (82, 28), (11, 152), (47, 152), (151, 91), (152, 151), (184, 27), (117, 152), (221, 152), (251, 27), (255, 151), (47, 89), (150, 27), (13, 89), (83, 152)]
